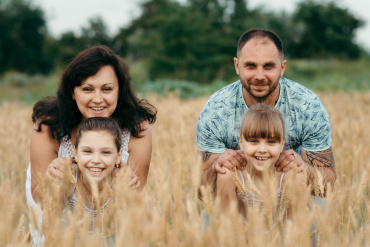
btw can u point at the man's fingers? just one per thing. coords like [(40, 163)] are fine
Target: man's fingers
[(219, 169), (289, 160)]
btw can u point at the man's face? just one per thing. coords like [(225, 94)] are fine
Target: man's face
[(259, 66)]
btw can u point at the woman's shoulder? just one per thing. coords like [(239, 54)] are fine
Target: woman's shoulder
[(145, 131), (41, 136)]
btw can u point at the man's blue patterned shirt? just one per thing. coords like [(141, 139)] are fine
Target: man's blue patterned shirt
[(306, 119)]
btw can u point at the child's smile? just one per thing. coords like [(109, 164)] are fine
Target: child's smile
[(96, 159), (95, 171), (261, 154)]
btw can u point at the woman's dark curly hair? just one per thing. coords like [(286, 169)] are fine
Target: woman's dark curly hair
[(61, 113)]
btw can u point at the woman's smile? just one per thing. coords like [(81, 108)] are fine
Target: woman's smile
[(97, 96)]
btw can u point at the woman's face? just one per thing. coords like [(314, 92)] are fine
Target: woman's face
[(97, 155), (97, 96)]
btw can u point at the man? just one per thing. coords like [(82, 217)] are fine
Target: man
[(260, 66)]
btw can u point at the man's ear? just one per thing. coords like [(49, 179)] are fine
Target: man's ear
[(236, 65), (283, 66)]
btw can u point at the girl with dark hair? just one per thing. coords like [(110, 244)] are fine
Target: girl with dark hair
[(96, 83), (97, 150)]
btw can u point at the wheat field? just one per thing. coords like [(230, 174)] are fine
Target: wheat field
[(169, 213)]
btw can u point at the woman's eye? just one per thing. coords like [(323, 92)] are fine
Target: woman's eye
[(107, 89), (86, 89)]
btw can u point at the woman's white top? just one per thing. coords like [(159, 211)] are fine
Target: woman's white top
[(65, 150)]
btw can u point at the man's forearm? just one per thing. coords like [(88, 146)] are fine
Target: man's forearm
[(322, 162), (319, 181)]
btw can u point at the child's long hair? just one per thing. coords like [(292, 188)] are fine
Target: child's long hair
[(100, 124), (263, 121)]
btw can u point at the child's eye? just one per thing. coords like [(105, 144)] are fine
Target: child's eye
[(272, 141), (87, 151), (253, 141), (106, 152)]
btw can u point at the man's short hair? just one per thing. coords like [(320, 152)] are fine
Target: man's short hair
[(260, 33)]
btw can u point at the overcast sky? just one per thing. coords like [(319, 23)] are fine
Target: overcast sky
[(71, 15)]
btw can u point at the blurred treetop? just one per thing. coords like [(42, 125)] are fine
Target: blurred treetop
[(194, 41)]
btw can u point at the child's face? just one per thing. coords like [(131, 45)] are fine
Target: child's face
[(261, 154), (97, 155)]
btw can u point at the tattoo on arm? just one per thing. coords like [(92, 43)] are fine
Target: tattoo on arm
[(205, 156), (321, 159)]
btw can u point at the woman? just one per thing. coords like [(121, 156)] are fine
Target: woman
[(95, 84)]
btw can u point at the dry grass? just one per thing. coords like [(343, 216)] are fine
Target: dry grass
[(170, 213)]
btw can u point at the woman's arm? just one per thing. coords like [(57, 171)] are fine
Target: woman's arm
[(140, 152), (43, 150)]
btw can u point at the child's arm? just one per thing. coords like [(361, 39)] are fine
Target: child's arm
[(226, 189), (296, 192)]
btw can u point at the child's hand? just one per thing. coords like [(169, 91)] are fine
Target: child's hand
[(57, 167)]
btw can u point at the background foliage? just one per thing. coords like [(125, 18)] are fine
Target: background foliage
[(193, 40)]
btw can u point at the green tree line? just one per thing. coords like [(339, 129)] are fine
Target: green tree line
[(193, 41)]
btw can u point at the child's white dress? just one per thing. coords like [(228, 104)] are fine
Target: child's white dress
[(65, 150)]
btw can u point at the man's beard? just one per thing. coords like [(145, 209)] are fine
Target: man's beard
[(263, 98)]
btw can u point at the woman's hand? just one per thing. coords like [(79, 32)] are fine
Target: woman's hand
[(57, 169), (125, 171)]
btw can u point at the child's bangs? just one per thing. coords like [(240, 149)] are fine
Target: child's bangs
[(265, 126)]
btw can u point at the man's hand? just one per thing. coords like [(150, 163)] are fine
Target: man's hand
[(213, 164), (288, 160), (230, 159)]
